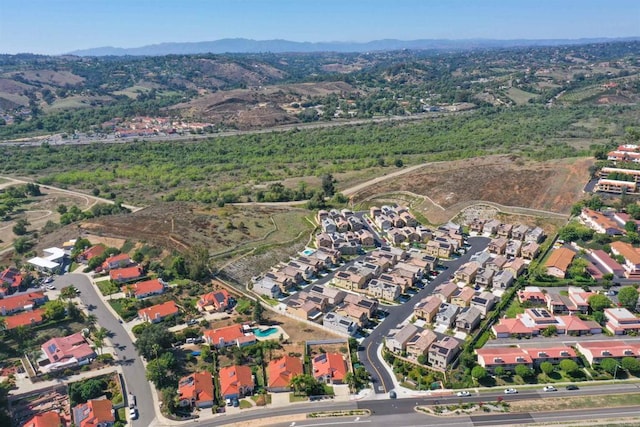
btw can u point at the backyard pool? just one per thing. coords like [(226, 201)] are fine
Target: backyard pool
[(264, 333), (308, 252)]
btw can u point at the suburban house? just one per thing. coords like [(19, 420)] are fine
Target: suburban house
[(284, 282), (228, 336), (50, 262), (10, 280), (519, 231), (90, 253), (484, 277), (600, 222), (559, 261), (215, 301), (427, 308), (281, 371), (419, 344), (531, 294), (596, 351), (438, 249), (555, 354), (534, 320), (577, 301), (334, 296), (46, 419), (476, 225), (606, 264), (483, 258), (307, 306), (464, 297), (516, 266), (64, 352), (513, 248), (383, 290), (236, 381), (530, 250), (27, 318), (631, 258), (94, 413), (126, 275), (329, 368), (621, 321), (504, 230), (340, 324), (145, 289), (497, 246), (116, 261), (348, 280), (506, 357), (447, 314), (468, 319), (442, 352), (157, 313), (467, 272), (535, 234), (445, 291), (397, 339), (354, 312), (491, 227), (23, 302), (484, 302), (502, 279), (196, 390), (267, 287), (370, 305)]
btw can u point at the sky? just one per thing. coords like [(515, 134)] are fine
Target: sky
[(61, 26)]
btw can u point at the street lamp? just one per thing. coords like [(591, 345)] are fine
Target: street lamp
[(615, 372)]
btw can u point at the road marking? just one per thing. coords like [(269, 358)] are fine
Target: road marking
[(357, 419), (335, 423), (382, 386)]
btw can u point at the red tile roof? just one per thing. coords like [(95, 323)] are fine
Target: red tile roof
[(20, 302), (116, 259), (560, 258), (147, 287), (93, 252), (511, 326), (218, 299), (158, 311), (24, 319), (60, 349), (329, 365), (125, 274), (627, 251), (281, 371), (234, 378), (197, 387), (46, 419), (11, 276), (227, 335), (496, 356), (93, 413)]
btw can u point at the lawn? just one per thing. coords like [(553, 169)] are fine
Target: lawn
[(245, 404), (261, 399), (562, 403), (293, 398), (107, 287), (124, 309), (514, 309)]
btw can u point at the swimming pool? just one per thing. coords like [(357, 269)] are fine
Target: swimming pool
[(264, 333), (308, 252)]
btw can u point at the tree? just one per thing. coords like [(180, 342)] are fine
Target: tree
[(197, 261), (631, 227), (500, 371), (160, 370), (609, 365), (152, 340), (523, 371), (478, 373), (54, 310), (258, 311), (628, 297), (569, 366), (99, 336), (598, 302), (631, 364), (20, 227), (546, 367), (67, 292), (22, 244), (550, 331), (328, 185), (399, 163), (599, 317)]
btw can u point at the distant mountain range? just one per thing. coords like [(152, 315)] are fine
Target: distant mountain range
[(240, 45)]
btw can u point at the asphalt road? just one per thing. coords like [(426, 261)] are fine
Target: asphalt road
[(133, 369), (367, 354)]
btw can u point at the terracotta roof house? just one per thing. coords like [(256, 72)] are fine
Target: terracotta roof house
[(505, 357), (559, 261), (215, 301), (596, 351), (621, 321), (196, 390), (531, 294), (554, 353), (46, 419), (72, 349), (127, 274), (281, 371), (27, 318), (427, 308), (419, 344), (464, 297), (600, 223), (11, 280), (607, 264), (442, 352), (228, 336), (329, 368), (145, 289), (116, 261), (26, 302), (91, 252), (631, 257), (157, 313), (94, 413), (508, 327), (236, 381)]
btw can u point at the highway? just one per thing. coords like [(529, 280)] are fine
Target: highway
[(367, 353), (133, 370)]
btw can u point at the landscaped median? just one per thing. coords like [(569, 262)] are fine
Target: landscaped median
[(345, 413)]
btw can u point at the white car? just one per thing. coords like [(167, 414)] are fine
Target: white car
[(133, 413), (549, 388), (510, 391), (463, 394), (50, 287), (48, 280)]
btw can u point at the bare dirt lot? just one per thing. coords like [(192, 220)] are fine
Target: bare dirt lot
[(507, 180)]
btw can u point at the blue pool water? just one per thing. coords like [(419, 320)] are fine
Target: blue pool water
[(308, 252), (260, 333)]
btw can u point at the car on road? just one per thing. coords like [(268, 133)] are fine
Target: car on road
[(549, 388), (463, 393), (392, 394), (133, 413), (50, 287), (48, 280), (572, 387), (192, 322), (510, 391)]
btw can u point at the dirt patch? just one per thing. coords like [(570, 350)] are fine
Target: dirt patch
[(565, 403)]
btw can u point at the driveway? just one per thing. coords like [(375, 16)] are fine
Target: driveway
[(133, 369), (367, 354)]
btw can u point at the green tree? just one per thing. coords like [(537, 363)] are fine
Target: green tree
[(500, 371), (609, 365), (478, 373), (328, 185), (160, 371), (22, 244), (631, 364), (20, 227), (631, 227), (569, 366), (599, 302), (546, 367), (54, 310), (628, 297), (99, 337), (524, 372), (153, 340), (197, 260), (68, 292), (550, 331), (258, 312)]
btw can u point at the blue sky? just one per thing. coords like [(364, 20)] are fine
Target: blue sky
[(59, 26)]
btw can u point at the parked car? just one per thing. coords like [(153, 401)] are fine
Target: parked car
[(50, 287), (510, 391), (572, 387), (133, 413), (132, 401), (229, 403), (48, 280), (392, 394), (192, 322), (463, 393), (549, 388), (235, 403)]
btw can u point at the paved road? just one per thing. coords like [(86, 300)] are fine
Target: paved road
[(367, 354), (133, 369)]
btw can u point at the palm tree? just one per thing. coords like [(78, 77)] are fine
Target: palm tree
[(298, 384), (99, 336), (91, 320)]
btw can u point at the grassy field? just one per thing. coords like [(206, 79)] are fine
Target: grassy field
[(586, 402), (519, 96)]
